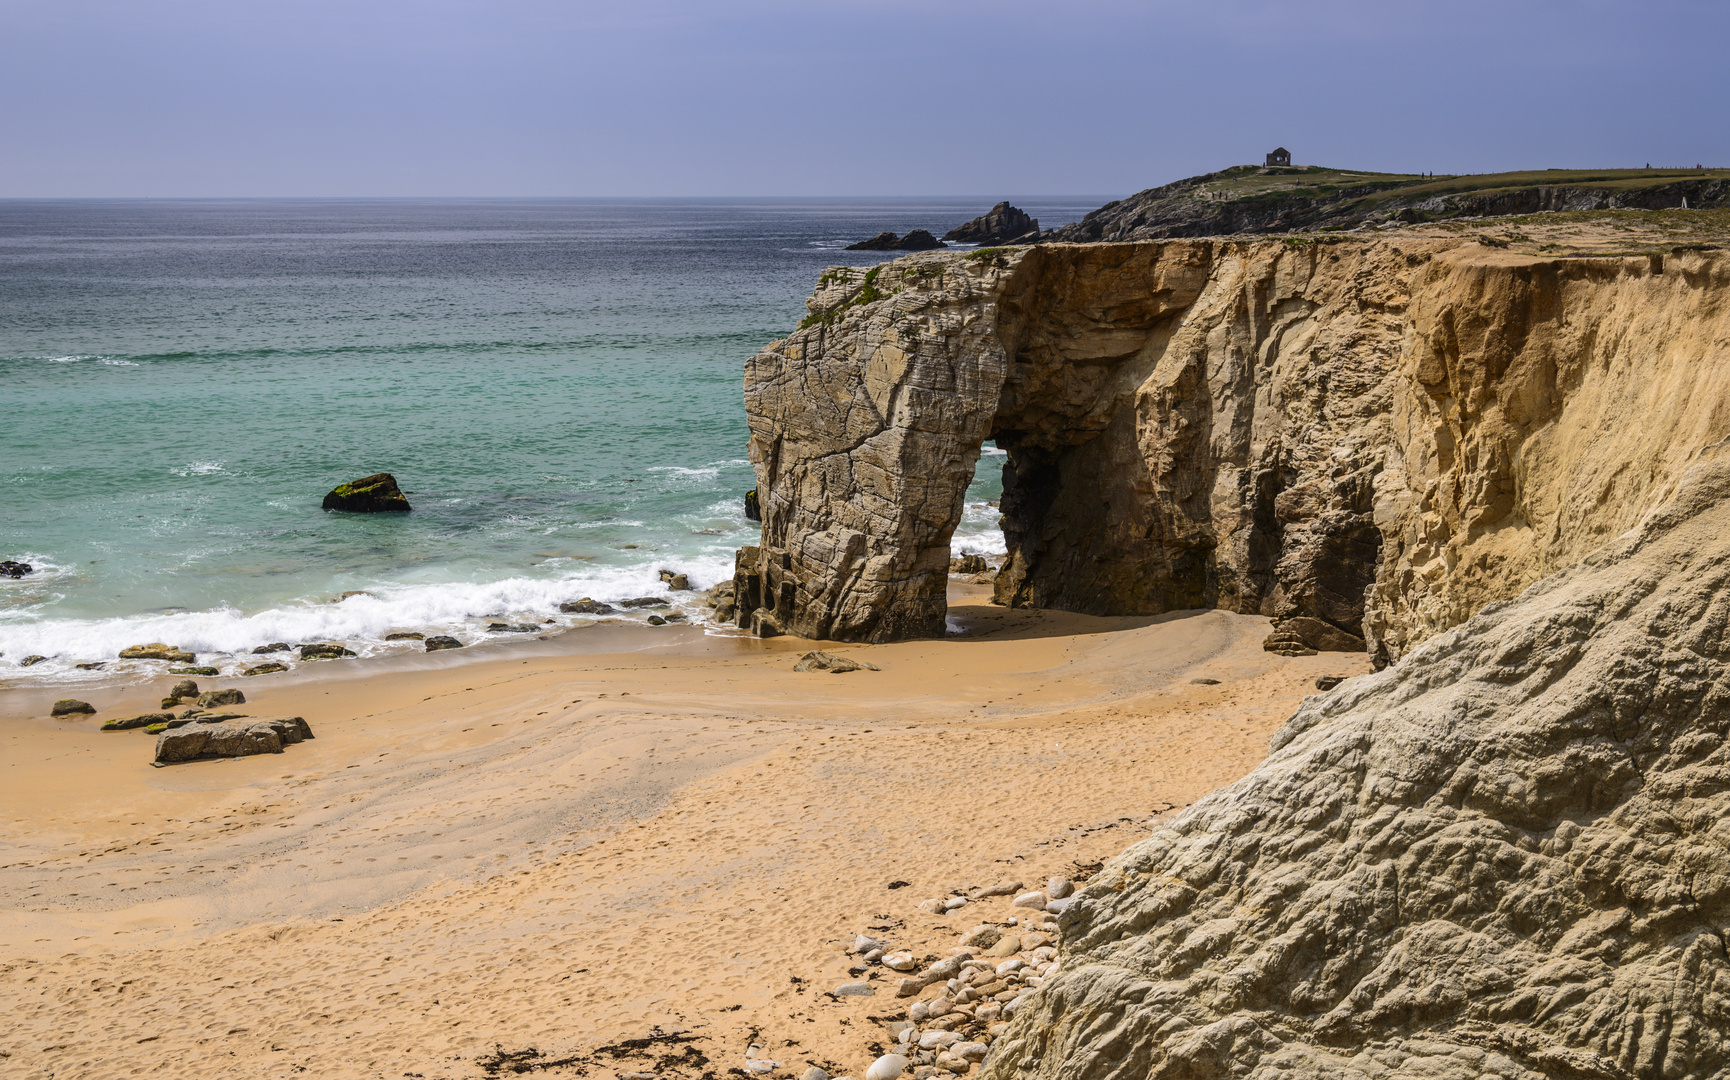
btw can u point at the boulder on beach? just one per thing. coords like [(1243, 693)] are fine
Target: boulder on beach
[(817, 660), (233, 737), (192, 671), (405, 635), (586, 606), (1000, 224), (917, 240), (375, 494), (324, 650), (156, 650), (1305, 636), (71, 707), (184, 688), (275, 646), (265, 668), (12, 569), (221, 697), (31, 660), (675, 581), (645, 601), (442, 641)]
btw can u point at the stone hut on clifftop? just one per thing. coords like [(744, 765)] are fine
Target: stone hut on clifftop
[(1281, 156)]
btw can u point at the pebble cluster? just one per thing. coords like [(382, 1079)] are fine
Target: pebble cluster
[(982, 982)]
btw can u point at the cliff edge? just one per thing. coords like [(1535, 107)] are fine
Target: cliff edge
[(1384, 435)]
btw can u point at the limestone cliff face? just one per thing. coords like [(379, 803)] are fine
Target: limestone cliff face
[(1505, 857), (1385, 435)]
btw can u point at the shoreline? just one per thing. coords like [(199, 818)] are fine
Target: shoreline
[(566, 849)]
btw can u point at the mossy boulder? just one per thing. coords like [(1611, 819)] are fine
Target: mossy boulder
[(71, 707), (206, 671), (375, 494), (265, 668), (221, 697), (142, 720), (156, 650), (325, 650), (442, 641)]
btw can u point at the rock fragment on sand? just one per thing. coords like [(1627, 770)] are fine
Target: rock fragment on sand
[(236, 737), (933, 906), (1006, 888), (185, 688), (203, 671), (1008, 946), (213, 698), (817, 660), (855, 989), (442, 641), (887, 1067), (71, 707), (814, 1073), (1035, 900), (900, 961), (1058, 907), (955, 903), (1059, 887), (983, 936), (265, 668), (141, 720), (656, 620), (401, 635)]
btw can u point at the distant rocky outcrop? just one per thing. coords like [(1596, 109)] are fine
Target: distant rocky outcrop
[(1505, 857), (1248, 199), (230, 737), (375, 494), (1002, 224), (1382, 435), (917, 240)]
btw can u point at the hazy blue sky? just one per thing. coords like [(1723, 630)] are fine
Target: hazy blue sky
[(676, 97)]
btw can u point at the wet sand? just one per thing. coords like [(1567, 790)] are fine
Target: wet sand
[(542, 849)]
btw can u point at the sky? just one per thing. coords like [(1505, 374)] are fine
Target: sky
[(202, 98)]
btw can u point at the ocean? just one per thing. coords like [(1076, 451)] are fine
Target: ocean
[(556, 384)]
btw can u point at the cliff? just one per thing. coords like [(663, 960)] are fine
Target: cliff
[(1505, 857), (1383, 435), (1248, 199)]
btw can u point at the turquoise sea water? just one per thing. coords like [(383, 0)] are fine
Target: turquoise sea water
[(557, 384)]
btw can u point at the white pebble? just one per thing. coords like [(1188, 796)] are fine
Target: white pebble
[(919, 1011), (1031, 900), (933, 1040), (1058, 907), (855, 989), (814, 1073), (887, 1067), (873, 956), (761, 1065), (1014, 963), (900, 961), (971, 1051), (954, 903), (933, 906), (1059, 888), (863, 944)]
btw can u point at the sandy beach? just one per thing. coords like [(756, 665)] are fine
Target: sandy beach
[(522, 858)]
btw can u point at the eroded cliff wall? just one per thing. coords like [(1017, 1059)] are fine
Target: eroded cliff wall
[(1383, 435)]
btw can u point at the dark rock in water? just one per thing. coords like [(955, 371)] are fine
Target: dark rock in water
[(352, 592), (192, 671), (753, 509), (156, 650), (15, 569), (142, 720), (674, 616), (94, 665), (275, 646), (184, 688), (221, 697), (442, 641), (405, 635), (1302, 636), (997, 225), (324, 651), (375, 494), (266, 735), (586, 606), (1328, 682), (265, 668), (71, 706), (917, 240), (32, 660), (822, 661), (645, 601), (511, 628), (656, 620)]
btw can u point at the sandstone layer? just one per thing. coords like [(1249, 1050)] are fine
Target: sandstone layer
[(1383, 435), (1505, 857)]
